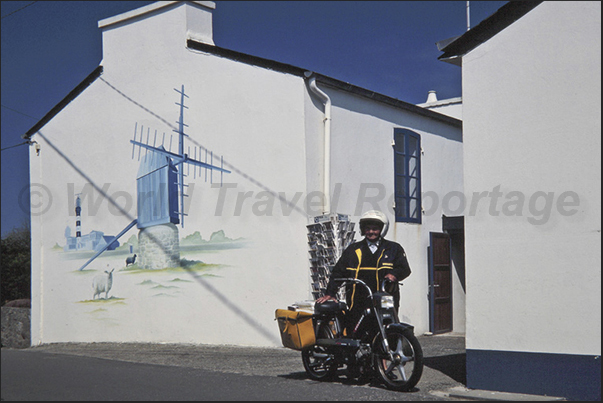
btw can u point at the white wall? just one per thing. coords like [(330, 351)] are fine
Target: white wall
[(532, 124), (269, 130), (362, 163), (249, 115)]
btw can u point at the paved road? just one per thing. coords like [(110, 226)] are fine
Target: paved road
[(127, 371)]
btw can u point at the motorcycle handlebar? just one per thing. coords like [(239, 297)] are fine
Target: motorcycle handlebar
[(343, 281), (386, 281)]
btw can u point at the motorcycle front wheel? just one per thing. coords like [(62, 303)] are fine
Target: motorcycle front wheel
[(319, 364), (402, 369)]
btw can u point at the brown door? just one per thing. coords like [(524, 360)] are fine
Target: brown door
[(440, 283)]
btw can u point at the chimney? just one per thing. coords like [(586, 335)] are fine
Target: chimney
[(163, 22), (431, 97), (199, 21)]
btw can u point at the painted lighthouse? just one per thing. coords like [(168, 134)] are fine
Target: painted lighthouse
[(93, 241), (78, 222), (161, 187)]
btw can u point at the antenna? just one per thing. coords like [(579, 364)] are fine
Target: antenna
[(468, 19)]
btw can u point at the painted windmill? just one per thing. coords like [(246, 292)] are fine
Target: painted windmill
[(161, 192), (164, 164)]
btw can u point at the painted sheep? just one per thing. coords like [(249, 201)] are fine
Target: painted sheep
[(102, 283), (130, 260)]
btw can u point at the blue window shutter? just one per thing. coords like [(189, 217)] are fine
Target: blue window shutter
[(407, 175)]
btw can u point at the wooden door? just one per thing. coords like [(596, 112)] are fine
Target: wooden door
[(440, 283)]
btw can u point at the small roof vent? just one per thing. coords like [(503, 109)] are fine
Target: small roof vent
[(431, 97)]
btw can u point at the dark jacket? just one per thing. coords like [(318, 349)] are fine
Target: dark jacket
[(357, 261)]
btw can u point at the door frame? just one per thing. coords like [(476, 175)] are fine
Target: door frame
[(432, 283)]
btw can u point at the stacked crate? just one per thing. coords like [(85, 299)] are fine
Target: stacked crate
[(328, 236)]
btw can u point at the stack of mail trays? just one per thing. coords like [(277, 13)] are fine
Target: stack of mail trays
[(328, 236)]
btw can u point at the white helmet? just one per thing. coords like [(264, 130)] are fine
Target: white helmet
[(376, 217)]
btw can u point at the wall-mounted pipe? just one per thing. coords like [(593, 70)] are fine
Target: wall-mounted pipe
[(326, 186)]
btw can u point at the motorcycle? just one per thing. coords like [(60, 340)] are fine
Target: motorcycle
[(378, 344)]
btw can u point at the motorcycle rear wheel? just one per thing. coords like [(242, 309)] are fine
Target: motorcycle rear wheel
[(404, 371), (319, 364)]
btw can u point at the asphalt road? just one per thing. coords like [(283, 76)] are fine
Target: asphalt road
[(129, 371)]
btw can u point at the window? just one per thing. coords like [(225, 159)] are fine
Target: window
[(407, 170)]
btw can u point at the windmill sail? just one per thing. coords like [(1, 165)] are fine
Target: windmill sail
[(160, 182)]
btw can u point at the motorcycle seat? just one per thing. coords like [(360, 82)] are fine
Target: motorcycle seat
[(330, 306)]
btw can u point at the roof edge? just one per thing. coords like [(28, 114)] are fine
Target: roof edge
[(261, 62), (325, 80), (375, 96), (64, 102), (147, 9), (491, 26), (441, 102)]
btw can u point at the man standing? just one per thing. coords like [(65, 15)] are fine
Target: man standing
[(371, 260)]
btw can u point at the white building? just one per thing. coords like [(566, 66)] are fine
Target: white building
[(532, 154), (452, 107), (244, 246)]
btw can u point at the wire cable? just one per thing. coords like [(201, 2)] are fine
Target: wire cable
[(9, 14), (16, 145), (20, 113)]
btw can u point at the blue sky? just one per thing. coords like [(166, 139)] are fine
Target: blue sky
[(49, 47)]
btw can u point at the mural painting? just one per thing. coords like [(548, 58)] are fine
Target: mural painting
[(156, 263)]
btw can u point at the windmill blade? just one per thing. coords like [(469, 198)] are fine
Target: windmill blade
[(133, 145), (195, 168), (141, 130), (188, 167), (178, 158), (221, 173), (204, 165)]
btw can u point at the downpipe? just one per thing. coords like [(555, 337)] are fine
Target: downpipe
[(326, 187)]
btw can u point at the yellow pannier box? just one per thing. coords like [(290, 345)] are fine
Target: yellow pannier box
[(297, 329)]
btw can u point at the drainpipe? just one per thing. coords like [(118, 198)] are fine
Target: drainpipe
[(326, 186)]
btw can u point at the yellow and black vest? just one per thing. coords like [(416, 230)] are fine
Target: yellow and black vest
[(357, 261)]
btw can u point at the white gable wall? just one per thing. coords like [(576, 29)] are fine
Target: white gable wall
[(242, 112), (533, 277)]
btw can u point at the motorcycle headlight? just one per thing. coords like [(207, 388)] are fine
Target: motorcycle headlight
[(387, 302)]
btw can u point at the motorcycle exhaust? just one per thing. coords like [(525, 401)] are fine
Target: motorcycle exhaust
[(346, 343)]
